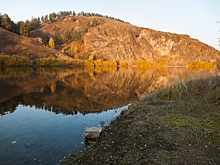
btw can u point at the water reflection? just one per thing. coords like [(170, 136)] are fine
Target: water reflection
[(30, 136), (69, 91)]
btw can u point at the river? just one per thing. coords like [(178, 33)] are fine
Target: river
[(44, 111)]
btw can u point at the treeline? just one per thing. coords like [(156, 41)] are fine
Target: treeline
[(24, 27), (21, 27)]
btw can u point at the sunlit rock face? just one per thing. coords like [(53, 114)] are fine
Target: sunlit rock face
[(123, 42)]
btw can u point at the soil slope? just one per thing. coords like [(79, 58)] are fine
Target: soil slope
[(11, 43)]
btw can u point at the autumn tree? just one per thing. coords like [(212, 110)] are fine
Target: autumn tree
[(53, 87), (51, 43)]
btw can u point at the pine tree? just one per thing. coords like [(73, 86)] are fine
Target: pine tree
[(74, 13), (51, 43), (57, 36), (25, 28), (6, 22)]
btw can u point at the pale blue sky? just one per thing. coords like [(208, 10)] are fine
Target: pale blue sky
[(196, 18)]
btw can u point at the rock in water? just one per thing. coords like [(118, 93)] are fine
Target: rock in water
[(92, 132)]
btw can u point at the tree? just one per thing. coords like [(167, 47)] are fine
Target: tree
[(34, 23), (51, 17), (45, 39), (6, 22), (218, 38), (25, 28), (67, 35), (54, 15), (53, 87), (70, 13), (51, 43), (74, 13), (42, 19), (46, 18), (57, 36), (15, 27), (0, 19)]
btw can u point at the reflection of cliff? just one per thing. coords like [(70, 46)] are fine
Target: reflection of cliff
[(17, 81), (75, 92)]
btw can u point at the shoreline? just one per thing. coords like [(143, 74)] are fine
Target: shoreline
[(179, 124)]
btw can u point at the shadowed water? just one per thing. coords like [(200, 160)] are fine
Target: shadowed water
[(44, 112)]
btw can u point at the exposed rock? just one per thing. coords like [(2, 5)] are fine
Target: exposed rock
[(129, 43), (92, 132), (39, 39)]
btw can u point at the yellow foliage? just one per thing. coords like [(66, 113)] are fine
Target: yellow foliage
[(123, 64), (161, 64), (51, 43), (91, 74), (128, 56), (75, 50), (91, 57), (142, 65), (53, 87), (201, 66)]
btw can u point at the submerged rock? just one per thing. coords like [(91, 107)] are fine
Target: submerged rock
[(92, 132)]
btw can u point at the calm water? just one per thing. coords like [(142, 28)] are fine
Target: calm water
[(44, 112)]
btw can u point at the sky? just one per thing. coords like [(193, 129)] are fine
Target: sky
[(197, 18)]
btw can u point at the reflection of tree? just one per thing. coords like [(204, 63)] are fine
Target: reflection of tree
[(8, 106), (53, 87)]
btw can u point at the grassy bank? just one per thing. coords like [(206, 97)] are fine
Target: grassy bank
[(176, 125), (141, 65)]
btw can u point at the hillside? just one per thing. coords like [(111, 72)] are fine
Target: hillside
[(114, 40), (11, 43), (94, 37)]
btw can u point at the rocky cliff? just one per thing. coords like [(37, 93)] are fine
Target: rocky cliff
[(122, 42)]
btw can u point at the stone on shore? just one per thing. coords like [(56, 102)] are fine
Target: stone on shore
[(92, 132)]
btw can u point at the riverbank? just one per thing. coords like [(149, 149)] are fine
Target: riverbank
[(176, 125)]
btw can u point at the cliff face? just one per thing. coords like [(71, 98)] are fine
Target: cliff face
[(121, 42)]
